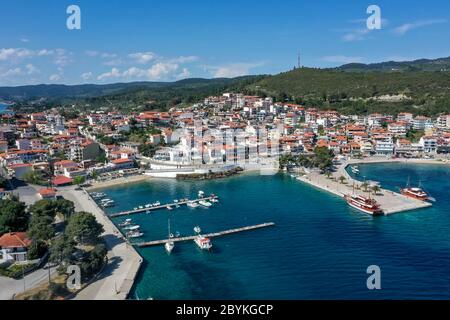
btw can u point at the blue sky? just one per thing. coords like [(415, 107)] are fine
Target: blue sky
[(169, 40)]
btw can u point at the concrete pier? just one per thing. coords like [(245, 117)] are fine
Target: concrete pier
[(209, 235), (390, 202)]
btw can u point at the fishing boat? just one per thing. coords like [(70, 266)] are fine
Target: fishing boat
[(364, 204), (170, 244), (127, 222), (205, 203), (133, 228), (203, 243), (192, 204), (134, 234)]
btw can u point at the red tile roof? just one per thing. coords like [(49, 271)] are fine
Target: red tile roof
[(61, 180), (14, 240)]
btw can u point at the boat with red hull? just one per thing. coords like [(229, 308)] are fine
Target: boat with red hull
[(366, 205), (415, 193)]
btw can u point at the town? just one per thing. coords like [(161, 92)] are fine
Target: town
[(43, 154)]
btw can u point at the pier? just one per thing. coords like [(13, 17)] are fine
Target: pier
[(160, 207), (390, 202), (209, 235)]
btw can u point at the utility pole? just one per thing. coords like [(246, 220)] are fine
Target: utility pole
[(299, 65)]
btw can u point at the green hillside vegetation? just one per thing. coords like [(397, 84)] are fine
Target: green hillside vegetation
[(357, 92)]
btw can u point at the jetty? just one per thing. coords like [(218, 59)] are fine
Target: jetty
[(209, 235), (160, 207), (390, 202)]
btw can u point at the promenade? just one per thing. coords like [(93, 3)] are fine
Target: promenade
[(390, 202), (117, 278)]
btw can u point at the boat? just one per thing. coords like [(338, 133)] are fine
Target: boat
[(108, 204), (147, 205), (205, 203), (134, 234), (214, 200), (415, 192), (170, 244), (201, 194), (132, 228), (197, 229), (192, 204), (141, 207), (203, 243), (364, 204), (169, 208), (127, 222)]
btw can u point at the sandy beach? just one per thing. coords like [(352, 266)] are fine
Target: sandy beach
[(118, 181)]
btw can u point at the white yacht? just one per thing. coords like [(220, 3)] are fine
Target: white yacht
[(127, 222), (170, 244), (134, 234), (132, 228), (203, 243), (192, 204), (205, 203)]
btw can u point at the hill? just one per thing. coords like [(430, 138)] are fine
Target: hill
[(426, 92), (441, 64)]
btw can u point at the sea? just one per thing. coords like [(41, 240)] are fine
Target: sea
[(319, 248)]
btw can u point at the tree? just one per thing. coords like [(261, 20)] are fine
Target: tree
[(342, 179), (62, 250), (364, 185), (41, 228), (13, 217), (83, 228), (79, 180), (36, 250), (53, 207), (376, 189), (34, 177)]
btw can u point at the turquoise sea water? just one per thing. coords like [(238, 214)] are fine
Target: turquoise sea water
[(319, 249)]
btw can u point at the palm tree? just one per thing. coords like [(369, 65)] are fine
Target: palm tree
[(364, 185), (376, 189), (328, 174), (342, 179)]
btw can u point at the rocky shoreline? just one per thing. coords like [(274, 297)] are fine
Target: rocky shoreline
[(210, 175)]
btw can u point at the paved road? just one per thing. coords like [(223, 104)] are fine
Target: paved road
[(10, 287), (117, 278)]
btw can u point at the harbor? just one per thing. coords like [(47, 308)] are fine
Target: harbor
[(209, 235), (389, 201)]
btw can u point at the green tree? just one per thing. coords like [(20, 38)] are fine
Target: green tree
[(62, 250), (41, 228), (376, 189), (13, 217), (342, 179), (83, 228), (79, 180)]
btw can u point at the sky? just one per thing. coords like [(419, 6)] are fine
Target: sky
[(153, 40)]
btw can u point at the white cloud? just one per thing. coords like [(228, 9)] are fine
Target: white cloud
[(185, 73), (114, 73), (356, 35), (11, 73), (184, 59), (13, 54), (86, 76), (24, 40), (31, 69), (342, 59), (160, 70), (404, 28), (55, 77), (143, 57), (233, 70)]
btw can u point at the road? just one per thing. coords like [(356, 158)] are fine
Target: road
[(10, 287)]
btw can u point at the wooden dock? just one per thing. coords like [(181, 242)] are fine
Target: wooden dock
[(160, 207), (209, 235)]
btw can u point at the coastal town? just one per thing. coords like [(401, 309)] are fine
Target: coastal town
[(47, 157)]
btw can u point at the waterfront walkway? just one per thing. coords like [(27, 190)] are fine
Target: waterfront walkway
[(390, 202), (117, 278)]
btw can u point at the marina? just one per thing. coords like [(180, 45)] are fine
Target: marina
[(209, 235)]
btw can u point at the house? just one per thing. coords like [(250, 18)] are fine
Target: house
[(120, 164), (48, 193), (59, 181), (13, 247), (19, 170)]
